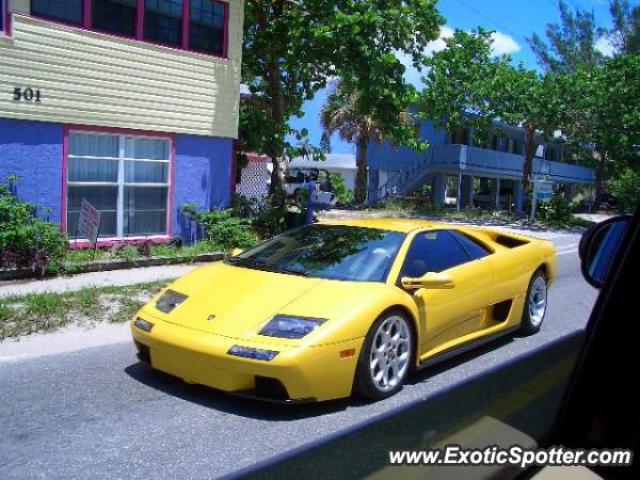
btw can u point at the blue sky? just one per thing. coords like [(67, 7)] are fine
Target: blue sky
[(513, 21)]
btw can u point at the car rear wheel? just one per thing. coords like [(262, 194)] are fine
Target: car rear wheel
[(536, 304), (385, 359)]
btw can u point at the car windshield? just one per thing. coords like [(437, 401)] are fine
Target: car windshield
[(327, 251)]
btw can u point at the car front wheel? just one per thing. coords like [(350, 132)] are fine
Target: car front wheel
[(385, 359), (536, 304)]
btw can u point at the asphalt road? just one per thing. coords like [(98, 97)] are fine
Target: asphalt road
[(97, 413)]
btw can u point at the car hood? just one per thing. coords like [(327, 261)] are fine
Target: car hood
[(236, 302)]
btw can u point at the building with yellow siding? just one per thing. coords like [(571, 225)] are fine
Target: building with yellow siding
[(129, 104)]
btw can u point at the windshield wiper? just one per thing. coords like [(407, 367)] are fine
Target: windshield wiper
[(289, 271), (262, 265)]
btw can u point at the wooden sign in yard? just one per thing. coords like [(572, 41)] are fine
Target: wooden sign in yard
[(89, 222)]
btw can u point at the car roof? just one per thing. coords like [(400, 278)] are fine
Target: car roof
[(404, 225)]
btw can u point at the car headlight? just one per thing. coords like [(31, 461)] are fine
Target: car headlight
[(284, 326), (170, 300)]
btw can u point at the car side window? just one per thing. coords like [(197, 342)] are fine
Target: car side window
[(473, 247), (433, 251)]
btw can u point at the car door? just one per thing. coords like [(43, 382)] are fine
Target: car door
[(447, 316)]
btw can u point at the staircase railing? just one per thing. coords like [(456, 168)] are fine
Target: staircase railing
[(402, 182)]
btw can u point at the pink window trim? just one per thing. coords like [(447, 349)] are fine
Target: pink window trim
[(87, 9), (118, 131), (140, 5), (7, 18), (186, 21), (225, 46), (139, 35)]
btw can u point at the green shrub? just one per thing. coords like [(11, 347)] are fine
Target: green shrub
[(243, 206), (625, 188), (557, 212), (27, 241), (339, 186), (124, 251), (270, 221), (225, 229), (189, 210)]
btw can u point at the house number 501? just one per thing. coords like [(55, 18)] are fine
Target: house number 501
[(27, 94)]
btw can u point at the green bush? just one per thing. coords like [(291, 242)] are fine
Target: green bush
[(243, 206), (339, 186), (26, 241), (625, 188), (270, 221), (225, 229), (557, 212)]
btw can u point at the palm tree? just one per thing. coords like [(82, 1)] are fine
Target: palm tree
[(345, 112)]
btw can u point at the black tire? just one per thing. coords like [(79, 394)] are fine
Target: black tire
[(364, 385), (532, 323)]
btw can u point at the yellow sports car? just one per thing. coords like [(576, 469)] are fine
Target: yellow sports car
[(337, 308)]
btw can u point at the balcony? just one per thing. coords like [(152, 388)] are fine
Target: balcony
[(490, 163)]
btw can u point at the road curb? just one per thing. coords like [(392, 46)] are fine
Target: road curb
[(111, 265)]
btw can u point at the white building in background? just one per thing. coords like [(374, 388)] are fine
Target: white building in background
[(342, 164), (253, 180)]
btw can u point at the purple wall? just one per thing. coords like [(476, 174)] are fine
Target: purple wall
[(202, 176), (33, 150)]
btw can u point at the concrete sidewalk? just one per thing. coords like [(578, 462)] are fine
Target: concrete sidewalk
[(96, 279)]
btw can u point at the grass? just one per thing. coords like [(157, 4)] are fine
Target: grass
[(46, 312), (412, 208), (75, 258), (416, 208)]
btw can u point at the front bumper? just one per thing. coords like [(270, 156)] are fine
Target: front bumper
[(296, 374)]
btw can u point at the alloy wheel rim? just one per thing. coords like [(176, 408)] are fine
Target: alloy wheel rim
[(390, 353), (538, 301)]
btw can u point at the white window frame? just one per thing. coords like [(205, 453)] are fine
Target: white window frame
[(120, 183)]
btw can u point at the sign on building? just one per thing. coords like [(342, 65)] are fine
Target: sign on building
[(544, 191), (89, 222)]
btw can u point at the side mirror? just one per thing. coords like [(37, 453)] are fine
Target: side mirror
[(432, 281), (236, 251), (598, 248)]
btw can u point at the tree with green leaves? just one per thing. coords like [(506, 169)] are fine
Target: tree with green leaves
[(458, 90), (599, 116), (625, 34), (346, 113), (526, 98), (293, 47), (325, 142), (468, 87), (571, 44)]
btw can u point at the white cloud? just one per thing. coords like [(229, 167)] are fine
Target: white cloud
[(504, 44), (412, 75), (439, 44), (605, 46)]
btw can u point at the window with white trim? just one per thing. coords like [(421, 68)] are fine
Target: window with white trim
[(126, 177)]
